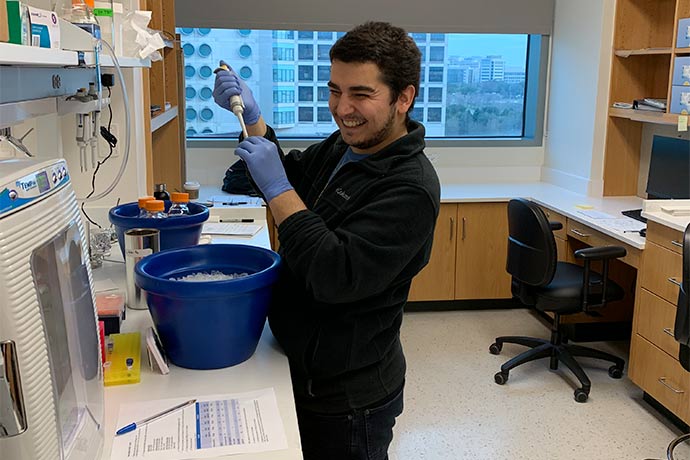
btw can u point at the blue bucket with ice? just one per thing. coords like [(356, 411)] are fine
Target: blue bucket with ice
[(209, 302)]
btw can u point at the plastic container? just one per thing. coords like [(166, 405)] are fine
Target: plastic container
[(180, 204), (142, 201), (209, 324), (192, 188), (174, 233)]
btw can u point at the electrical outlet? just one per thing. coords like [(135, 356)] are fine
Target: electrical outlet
[(104, 149)]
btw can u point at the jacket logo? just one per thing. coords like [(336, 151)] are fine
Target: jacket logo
[(342, 193)]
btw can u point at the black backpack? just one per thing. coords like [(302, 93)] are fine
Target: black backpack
[(236, 180)]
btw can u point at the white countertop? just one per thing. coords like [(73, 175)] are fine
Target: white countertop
[(652, 210), (559, 199), (268, 367)]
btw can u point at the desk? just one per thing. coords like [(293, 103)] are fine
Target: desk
[(268, 367)]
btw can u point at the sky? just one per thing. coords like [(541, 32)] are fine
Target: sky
[(512, 47)]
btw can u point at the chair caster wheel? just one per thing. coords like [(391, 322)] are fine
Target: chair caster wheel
[(615, 372), (501, 377), (495, 348), (580, 395)]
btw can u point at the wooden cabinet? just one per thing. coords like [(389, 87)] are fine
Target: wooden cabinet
[(654, 362), (559, 235), (166, 148), (642, 65), (469, 255), (481, 249)]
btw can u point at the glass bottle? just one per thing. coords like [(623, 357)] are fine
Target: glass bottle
[(155, 209), (142, 201), (160, 193), (179, 206)]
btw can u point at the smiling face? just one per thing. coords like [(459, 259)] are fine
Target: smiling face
[(362, 108)]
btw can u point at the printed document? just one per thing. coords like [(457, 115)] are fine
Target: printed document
[(216, 425)]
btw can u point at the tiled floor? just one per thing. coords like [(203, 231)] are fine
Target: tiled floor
[(454, 410)]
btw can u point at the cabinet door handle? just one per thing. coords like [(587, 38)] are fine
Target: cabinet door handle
[(452, 228), (668, 331), (579, 233), (677, 243), (662, 380), (464, 221), (674, 281)]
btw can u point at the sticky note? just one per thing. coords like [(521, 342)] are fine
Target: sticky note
[(584, 206), (682, 122)]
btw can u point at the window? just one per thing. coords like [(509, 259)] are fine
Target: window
[(323, 114), (306, 73), (322, 52), (306, 114), (435, 95), (305, 52), (437, 54), (323, 72), (472, 85), (306, 93), (322, 93)]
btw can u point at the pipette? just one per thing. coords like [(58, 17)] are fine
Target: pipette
[(236, 104)]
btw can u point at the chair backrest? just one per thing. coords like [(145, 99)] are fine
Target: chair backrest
[(681, 328), (532, 253)]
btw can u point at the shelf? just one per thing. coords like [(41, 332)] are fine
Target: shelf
[(11, 54), (163, 118), (642, 52), (682, 50), (643, 116)]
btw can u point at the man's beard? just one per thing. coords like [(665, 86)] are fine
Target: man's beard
[(380, 135)]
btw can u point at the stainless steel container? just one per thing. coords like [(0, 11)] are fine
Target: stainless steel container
[(139, 243)]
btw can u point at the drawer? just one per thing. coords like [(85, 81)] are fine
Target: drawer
[(665, 237), (654, 320), (661, 376), (554, 216), (662, 268), (594, 238)]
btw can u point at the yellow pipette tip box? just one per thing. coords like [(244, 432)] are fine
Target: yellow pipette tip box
[(122, 359)]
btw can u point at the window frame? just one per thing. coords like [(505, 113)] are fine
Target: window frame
[(533, 115)]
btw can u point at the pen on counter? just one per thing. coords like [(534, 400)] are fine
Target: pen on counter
[(237, 220), (135, 425), (234, 203)]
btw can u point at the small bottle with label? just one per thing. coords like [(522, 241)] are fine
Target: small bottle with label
[(160, 193), (142, 201), (155, 209), (179, 206)]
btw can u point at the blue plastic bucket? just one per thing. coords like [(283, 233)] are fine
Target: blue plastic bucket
[(209, 324), (175, 232)]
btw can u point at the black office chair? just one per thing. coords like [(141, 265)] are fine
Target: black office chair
[(562, 288)]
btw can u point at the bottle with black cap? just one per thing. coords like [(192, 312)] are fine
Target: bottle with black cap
[(160, 193)]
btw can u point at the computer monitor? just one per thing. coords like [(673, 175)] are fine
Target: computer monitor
[(669, 169)]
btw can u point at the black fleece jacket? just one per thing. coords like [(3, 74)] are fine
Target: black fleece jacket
[(347, 266)]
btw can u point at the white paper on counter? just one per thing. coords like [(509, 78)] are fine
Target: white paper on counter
[(216, 425)]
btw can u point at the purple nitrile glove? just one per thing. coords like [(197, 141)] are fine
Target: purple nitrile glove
[(229, 84), (263, 160)]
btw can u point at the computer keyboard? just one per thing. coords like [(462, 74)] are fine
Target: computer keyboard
[(634, 214)]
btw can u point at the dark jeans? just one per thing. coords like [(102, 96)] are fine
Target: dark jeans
[(361, 434)]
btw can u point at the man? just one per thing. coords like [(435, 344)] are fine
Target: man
[(356, 215)]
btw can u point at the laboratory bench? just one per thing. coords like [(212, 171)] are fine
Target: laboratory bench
[(267, 368)]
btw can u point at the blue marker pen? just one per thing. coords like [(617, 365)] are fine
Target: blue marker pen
[(135, 425)]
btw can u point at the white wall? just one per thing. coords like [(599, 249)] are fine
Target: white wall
[(578, 95), (453, 165)]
